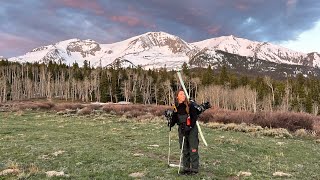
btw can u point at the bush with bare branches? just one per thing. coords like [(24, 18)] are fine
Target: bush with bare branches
[(64, 106), (134, 110), (32, 105), (289, 120), (85, 111)]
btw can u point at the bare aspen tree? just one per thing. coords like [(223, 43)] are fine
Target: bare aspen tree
[(146, 90), (211, 94), (3, 89), (3, 84), (286, 97), (125, 88), (97, 85), (242, 98), (252, 98), (195, 84), (86, 89), (267, 80), (315, 109), (155, 92), (43, 81), (135, 87), (16, 85), (238, 97), (266, 103), (226, 99), (167, 92)]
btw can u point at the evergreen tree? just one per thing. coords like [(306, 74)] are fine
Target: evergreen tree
[(185, 69), (207, 76), (223, 76)]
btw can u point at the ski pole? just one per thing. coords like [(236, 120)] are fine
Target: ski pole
[(169, 150), (181, 154)]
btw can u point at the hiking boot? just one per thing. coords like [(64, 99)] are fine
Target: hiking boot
[(185, 172), (194, 171)]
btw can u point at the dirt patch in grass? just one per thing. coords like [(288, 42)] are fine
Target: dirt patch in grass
[(137, 175)]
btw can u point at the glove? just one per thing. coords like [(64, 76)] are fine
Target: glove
[(168, 114), (202, 107), (205, 106)]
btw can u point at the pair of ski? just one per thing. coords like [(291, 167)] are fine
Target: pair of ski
[(183, 139)]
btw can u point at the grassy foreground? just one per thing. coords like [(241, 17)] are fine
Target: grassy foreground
[(111, 147)]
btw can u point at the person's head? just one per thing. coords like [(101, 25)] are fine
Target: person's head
[(181, 97)]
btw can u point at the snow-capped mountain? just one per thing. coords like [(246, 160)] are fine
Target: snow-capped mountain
[(68, 52), (160, 49), (249, 65), (150, 50), (259, 50)]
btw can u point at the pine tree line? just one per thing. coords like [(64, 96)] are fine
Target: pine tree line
[(222, 88)]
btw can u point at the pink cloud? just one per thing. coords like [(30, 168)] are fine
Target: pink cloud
[(10, 41), (131, 21), (214, 30), (15, 45), (134, 11), (83, 4), (241, 6), (291, 3), (151, 26)]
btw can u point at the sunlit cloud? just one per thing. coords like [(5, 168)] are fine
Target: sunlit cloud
[(108, 21)]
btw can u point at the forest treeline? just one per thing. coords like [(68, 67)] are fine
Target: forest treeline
[(222, 88)]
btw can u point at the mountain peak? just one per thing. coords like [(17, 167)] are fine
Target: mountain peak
[(162, 33), (68, 41), (160, 39)]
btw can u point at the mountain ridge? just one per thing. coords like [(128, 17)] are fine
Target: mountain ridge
[(160, 49)]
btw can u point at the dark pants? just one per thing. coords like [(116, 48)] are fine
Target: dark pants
[(190, 150)]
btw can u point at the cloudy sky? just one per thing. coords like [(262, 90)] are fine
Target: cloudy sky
[(26, 24)]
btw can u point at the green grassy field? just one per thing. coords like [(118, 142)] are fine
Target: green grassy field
[(110, 147)]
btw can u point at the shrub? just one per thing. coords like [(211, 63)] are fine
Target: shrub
[(134, 110), (64, 106), (301, 133), (134, 113), (45, 105), (94, 106), (33, 105), (158, 110), (316, 126), (279, 132), (288, 120), (85, 111), (229, 127)]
